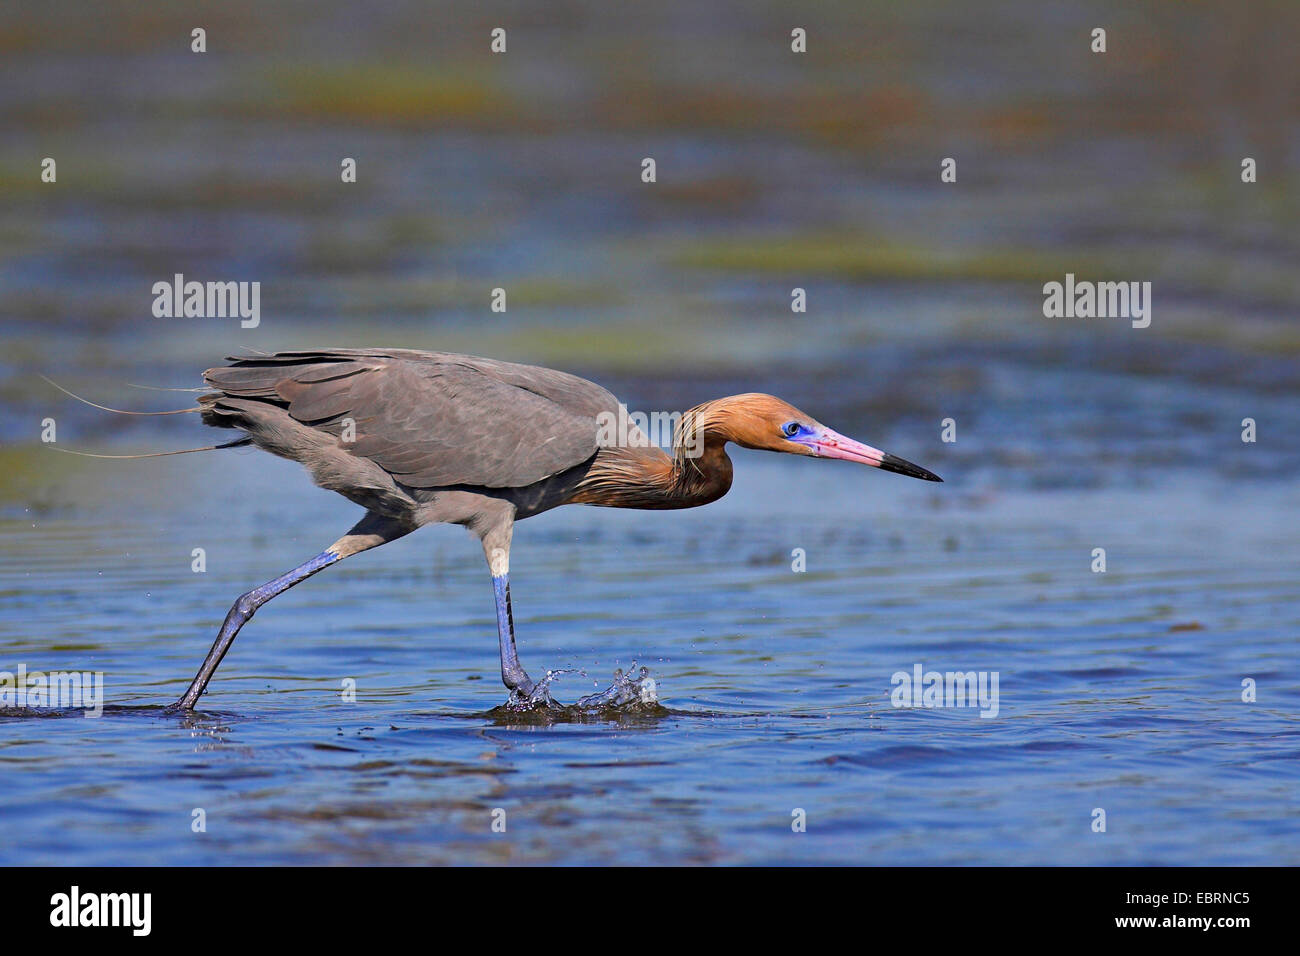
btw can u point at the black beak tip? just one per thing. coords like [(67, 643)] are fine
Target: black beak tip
[(903, 467)]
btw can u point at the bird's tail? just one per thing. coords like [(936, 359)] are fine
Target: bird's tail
[(157, 454), (120, 411)]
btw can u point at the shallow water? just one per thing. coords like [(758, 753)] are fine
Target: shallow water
[(1118, 690)]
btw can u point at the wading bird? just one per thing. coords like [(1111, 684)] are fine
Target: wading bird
[(420, 438)]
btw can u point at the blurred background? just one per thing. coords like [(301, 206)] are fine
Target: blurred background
[(775, 170)]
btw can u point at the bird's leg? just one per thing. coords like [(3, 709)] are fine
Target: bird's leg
[(372, 531), (525, 693), (497, 532), (513, 674), (243, 609)]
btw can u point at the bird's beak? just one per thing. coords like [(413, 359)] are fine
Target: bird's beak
[(826, 443)]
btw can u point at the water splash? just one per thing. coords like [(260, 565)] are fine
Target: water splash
[(626, 690), (630, 690)]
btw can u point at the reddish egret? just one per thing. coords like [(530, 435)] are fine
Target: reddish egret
[(420, 438)]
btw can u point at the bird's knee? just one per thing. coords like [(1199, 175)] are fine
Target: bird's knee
[(245, 606), (372, 531)]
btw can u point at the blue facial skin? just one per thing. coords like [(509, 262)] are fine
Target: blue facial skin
[(803, 435)]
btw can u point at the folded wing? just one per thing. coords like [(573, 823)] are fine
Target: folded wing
[(429, 419)]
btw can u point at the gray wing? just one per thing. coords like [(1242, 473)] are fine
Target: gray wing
[(431, 419)]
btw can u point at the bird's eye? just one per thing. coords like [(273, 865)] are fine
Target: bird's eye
[(791, 429)]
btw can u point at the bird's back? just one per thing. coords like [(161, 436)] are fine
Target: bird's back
[(381, 426)]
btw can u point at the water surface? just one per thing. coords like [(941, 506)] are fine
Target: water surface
[(1118, 690)]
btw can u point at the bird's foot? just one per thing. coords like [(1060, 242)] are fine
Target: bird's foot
[(531, 695)]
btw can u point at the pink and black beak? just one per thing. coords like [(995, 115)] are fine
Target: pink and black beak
[(825, 443)]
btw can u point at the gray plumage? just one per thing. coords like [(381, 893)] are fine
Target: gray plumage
[(420, 421)]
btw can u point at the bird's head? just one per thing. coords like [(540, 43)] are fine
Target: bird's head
[(765, 422)]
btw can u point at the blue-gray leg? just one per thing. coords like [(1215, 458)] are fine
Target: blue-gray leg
[(513, 674), (243, 609), (370, 532)]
